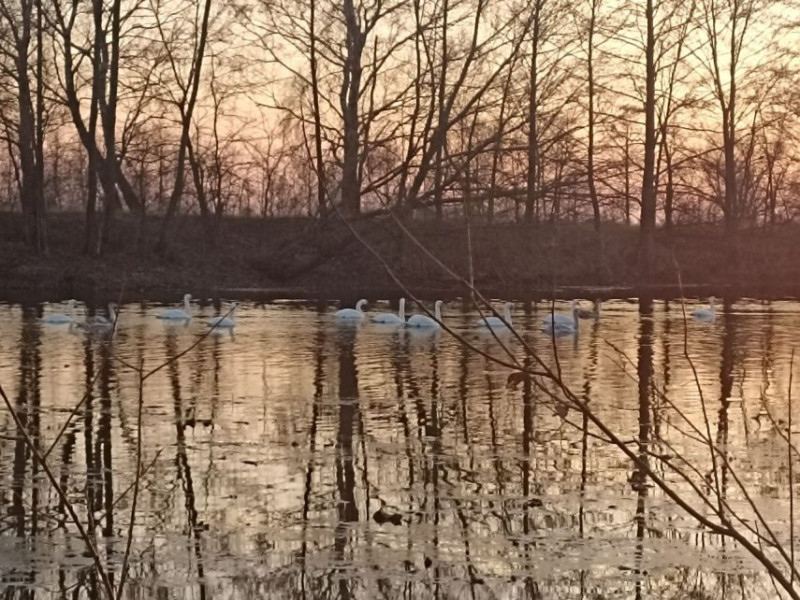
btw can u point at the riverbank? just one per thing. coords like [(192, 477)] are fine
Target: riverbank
[(296, 258)]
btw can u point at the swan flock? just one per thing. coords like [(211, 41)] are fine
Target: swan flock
[(554, 323)]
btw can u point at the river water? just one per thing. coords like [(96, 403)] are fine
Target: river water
[(298, 458)]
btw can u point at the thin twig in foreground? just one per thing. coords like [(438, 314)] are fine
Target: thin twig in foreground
[(791, 469), (136, 482), (109, 589)]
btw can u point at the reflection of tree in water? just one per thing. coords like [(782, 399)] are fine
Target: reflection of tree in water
[(28, 407), (319, 390), (347, 511), (588, 380), (104, 447), (195, 527), (726, 378), (462, 468), (639, 481)]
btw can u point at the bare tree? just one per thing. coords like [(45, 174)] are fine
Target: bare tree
[(439, 93), (531, 200), (22, 25), (594, 7), (350, 95), (648, 219), (189, 89), (319, 164), (726, 24), (677, 26), (98, 41)]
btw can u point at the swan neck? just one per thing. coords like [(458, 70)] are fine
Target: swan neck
[(402, 309), (437, 310)]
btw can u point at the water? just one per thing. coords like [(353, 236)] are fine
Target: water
[(297, 458)]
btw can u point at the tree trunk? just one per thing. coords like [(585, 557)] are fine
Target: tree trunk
[(319, 165), (627, 177), (186, 122), (590, 161), (200, 191), (731, 204), (92, 235), (771, 200), (531, 200), (30, 129), (729, 142), (415, 115), (73, 103), (498, 147), (108, 113), (349, 96), (669, 192), (648, 216), (443, 117)]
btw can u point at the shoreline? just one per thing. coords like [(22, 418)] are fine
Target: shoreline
[(28, 296), (300, 259)]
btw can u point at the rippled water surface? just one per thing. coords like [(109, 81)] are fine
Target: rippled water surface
[(297, 458)]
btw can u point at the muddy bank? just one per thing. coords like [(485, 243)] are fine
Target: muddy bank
[(298, 258)]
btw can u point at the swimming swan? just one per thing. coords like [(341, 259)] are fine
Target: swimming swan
[(177, 314), (565, 325), (58, 318), (495, 322), (591, 314), (561, 323), (425, 320), (706, 314), (391, 318), (352, 314), (565, 319), (99, 323), (222, 322)]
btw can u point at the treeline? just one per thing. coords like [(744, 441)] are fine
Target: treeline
[(641, 111)]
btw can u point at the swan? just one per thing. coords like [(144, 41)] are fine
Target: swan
[(566, 319), (352, 314), (222, 322), (495, 322), (99, 323), (706, 314), (591, 314), (391, 318), (58, 318), (177, 314), (566, 325), (425, 320)]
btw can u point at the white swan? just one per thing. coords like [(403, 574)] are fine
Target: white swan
[(591, 314), (706, 314), (177, 314), (99, 323), (391, 318), (566, 319), (566, 325), (495, 322), (425, 321), (58, 318), (352, 314), (222, 322)]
